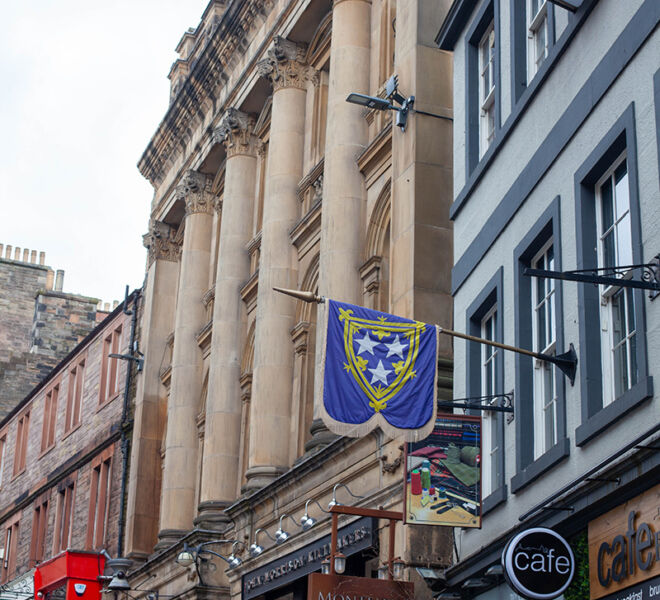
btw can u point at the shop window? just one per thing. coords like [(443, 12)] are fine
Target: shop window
[(109, 387), (485, 377), (39, 527), (613, 357), (20, 453), (63, 516), (74, 396), (99, 500), (50, 418)]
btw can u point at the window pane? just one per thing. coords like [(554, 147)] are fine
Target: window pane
[(618, 317), (607, 205), (620, 370), (621, 190), (609, 252), (624, 241)]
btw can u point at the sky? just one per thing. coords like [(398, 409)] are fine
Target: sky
[(84, 87)]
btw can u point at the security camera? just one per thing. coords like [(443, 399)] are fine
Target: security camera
[(119, 583)]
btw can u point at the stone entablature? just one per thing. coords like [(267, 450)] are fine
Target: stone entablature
[(203, 84)]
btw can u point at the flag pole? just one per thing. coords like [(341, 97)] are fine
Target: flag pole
[(566, 362)]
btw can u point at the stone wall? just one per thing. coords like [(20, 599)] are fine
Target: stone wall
[(39, 325)]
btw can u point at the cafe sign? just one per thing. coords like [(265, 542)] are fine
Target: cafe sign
[(340, 587), (624, 548), (285, 569), (538, 564)]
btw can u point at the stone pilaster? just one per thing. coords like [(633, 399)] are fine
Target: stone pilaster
[(179, 477), (220, 475), (142, 506), (270, 408), (422, 174)]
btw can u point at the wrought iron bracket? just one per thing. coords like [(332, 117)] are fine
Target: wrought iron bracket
[(619, 276), (469, 403)]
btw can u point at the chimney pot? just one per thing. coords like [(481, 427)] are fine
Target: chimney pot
[(26, 254), (33, 257), (106, 306), (8, 252), (49, 279), (17, 253), (59, 280), (2, 247), (42, 258)]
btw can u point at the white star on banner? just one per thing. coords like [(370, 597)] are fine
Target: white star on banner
[(366, 344), (380, 373), (396, 347)]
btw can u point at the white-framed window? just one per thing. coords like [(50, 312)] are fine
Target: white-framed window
[(490, 446), (618, 320), (537, 35), (544, 339), (486, 89)]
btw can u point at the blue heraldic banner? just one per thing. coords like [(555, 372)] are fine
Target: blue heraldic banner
[(379, 370)]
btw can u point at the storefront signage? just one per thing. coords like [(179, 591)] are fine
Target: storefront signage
[(339, 587), (647, 590), (350, 539), (443, 474), (538, 563), (624, 547)]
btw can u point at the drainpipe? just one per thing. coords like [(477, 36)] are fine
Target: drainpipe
[(126, 422)]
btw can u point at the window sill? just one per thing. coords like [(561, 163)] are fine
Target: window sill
[(45, 451), (18, 474), (610, 414), (70, 431), (542, 464), (493, 500), (107, 401)]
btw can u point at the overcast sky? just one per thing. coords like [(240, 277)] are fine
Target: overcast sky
[(83, 87)]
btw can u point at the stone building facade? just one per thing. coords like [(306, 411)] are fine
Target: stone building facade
[(265, 176), (556, 162), (61, 454), (39, 323)]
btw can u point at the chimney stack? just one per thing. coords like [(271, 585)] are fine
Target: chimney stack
[(59, 280)]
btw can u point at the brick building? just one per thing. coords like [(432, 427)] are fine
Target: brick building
[(61, 449), (39, 323)]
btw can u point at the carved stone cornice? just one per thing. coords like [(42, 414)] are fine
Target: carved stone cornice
[(285, 65), (236, 132), (195, 191), (160, 243)]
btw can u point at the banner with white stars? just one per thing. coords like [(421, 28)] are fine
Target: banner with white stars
[(378, 370)]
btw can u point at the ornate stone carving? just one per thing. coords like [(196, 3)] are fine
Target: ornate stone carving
[(161, 243), (195, 191), (236, 132), (284, 65)]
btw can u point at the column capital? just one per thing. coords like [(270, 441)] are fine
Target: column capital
[(236, 132), (195, 191), (285, 64), (335, 2), (161, 243)]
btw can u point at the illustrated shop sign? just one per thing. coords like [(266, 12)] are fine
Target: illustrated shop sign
[(538, 563), (350, 539), (624, 546)]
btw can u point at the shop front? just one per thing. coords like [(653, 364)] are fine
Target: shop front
[(287, 575)]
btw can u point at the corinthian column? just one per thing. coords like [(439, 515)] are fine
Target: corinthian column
[(220, 474), (270, 408), (142, 505), (343, 184), (178, 489)]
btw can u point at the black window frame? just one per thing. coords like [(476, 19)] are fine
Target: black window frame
[(547, 227), (596, 417), (489, 297)]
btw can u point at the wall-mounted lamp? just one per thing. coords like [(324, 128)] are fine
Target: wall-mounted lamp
[(340, 563), (307, 522), (325, 566), (255, 548), (392, 94), (193, 554), (282, 536), (334, 502)]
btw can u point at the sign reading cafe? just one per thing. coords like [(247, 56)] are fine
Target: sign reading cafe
[(350, 539), (538, 563)]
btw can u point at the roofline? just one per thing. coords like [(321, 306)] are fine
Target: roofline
[(58, 367), (454, 23)]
